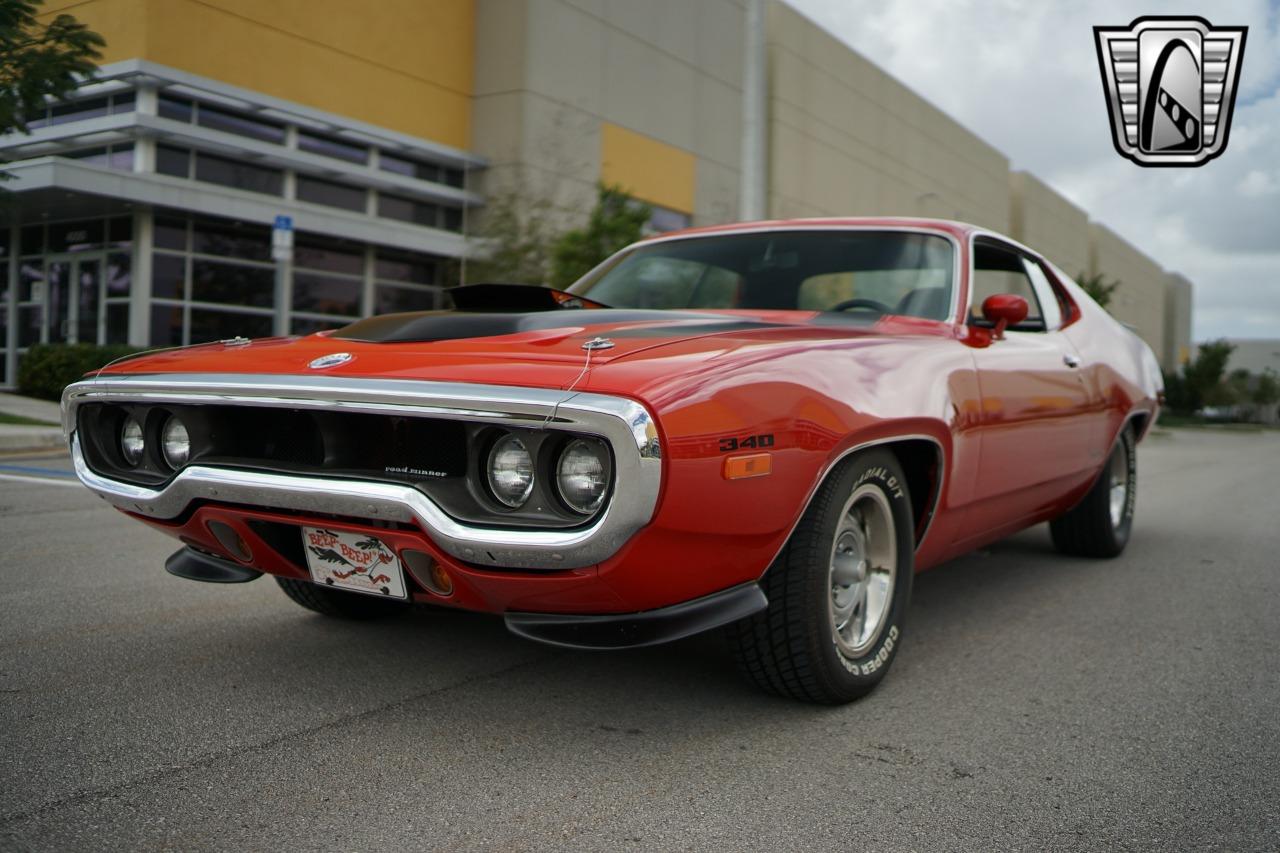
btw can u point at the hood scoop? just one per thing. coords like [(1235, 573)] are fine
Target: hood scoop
[(430, 326)]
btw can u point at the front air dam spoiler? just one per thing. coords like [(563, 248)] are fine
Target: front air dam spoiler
[(647, 628)]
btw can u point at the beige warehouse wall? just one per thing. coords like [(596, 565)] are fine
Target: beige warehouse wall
[(1045, 221), (551, 74), (847, 139), (1140, 299), (1177, 320)]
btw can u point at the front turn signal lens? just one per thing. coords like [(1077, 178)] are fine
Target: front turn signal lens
[(750, 465)]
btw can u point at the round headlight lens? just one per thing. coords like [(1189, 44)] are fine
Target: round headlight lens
[(510, 471), (582, 475), (175, 443), (131, 441)]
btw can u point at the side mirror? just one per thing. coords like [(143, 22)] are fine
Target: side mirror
[(1004, 310)]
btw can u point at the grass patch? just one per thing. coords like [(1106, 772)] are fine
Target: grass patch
[(19, 420), (1193, 422)]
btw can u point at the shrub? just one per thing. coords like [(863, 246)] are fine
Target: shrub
[(48, 368)]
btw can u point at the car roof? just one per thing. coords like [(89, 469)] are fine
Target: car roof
[(960, 230)]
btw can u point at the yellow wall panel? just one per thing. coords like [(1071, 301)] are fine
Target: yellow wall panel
[(406, 65), (123, 23), (650, 170)]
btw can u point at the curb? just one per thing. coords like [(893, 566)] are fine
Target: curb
[(20, 439)]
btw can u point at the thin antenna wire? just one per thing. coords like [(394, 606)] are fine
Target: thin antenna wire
[(568, 392)]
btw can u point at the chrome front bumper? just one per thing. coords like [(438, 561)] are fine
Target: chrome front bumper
[(627, 426)]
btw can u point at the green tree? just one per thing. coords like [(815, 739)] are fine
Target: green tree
[(616, 221), (1098, 287), (517, 238), (1266, 389), (39, 60), (1201, 381)]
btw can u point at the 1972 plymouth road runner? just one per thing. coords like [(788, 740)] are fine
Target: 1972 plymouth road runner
[(768, 427)]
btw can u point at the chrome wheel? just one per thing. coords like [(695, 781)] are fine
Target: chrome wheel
[(864, 560), (1118, 472)]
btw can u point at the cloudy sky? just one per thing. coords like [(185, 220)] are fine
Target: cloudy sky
[(1023, 75)]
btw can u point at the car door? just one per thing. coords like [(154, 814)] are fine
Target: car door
[(1036, 414)]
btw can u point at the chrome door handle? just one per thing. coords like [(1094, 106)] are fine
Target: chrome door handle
[(1070, 360)]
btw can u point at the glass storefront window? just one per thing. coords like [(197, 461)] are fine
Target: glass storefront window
[(113, 157), (310, 325), (30, 321), (232, 239), (120, 232), (232, 284), (117, 331), (168, 276), (178, 109), (212, 325), (166, 325), (238, 174), (326, 294), (77, 110), (118, 280), (409, 168), (75, 236), (31, 280), (328, 255), (216, 118), (330, 146), (331, 194), (389, 298), (122, 102), (31, 240), (170, 233), (407, 210), (173, 161), (404, 266)]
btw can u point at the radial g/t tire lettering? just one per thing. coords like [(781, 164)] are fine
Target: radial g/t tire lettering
[(838, 592)]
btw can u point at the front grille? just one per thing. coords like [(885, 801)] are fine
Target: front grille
[(434, 455)]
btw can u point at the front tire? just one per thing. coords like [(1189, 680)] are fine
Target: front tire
[(338, 603), (1099, 525), (838, 591)]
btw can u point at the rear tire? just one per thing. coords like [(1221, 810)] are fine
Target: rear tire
[(338, 603), (838, 592), (1099, 525)]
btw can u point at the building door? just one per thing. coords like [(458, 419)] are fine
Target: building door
[(73, 298)]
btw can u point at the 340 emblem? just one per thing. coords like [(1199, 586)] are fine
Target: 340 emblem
[(735, 443)]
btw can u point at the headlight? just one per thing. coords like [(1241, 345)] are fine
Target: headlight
[(175, 443), (582, 474), (131, 441), (510, 471)]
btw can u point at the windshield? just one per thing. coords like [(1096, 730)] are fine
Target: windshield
[(880, 272)]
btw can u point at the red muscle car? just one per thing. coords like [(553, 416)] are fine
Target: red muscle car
[(768, 427)]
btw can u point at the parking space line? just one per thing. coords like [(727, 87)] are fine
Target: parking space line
[(31, 469)]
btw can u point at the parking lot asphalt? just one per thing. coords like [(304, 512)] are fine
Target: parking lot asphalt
[(1039, 702)]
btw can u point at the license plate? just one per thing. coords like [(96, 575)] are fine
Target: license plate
[(354, 561)]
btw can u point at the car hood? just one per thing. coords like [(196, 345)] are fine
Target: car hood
[(533, 349)]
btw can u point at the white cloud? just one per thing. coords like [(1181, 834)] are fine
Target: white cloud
[(1023, 75)]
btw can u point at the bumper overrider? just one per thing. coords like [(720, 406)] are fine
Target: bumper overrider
[(624, 424)]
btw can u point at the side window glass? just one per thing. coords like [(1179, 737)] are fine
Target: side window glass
[(997, 270), (1049, 305)]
